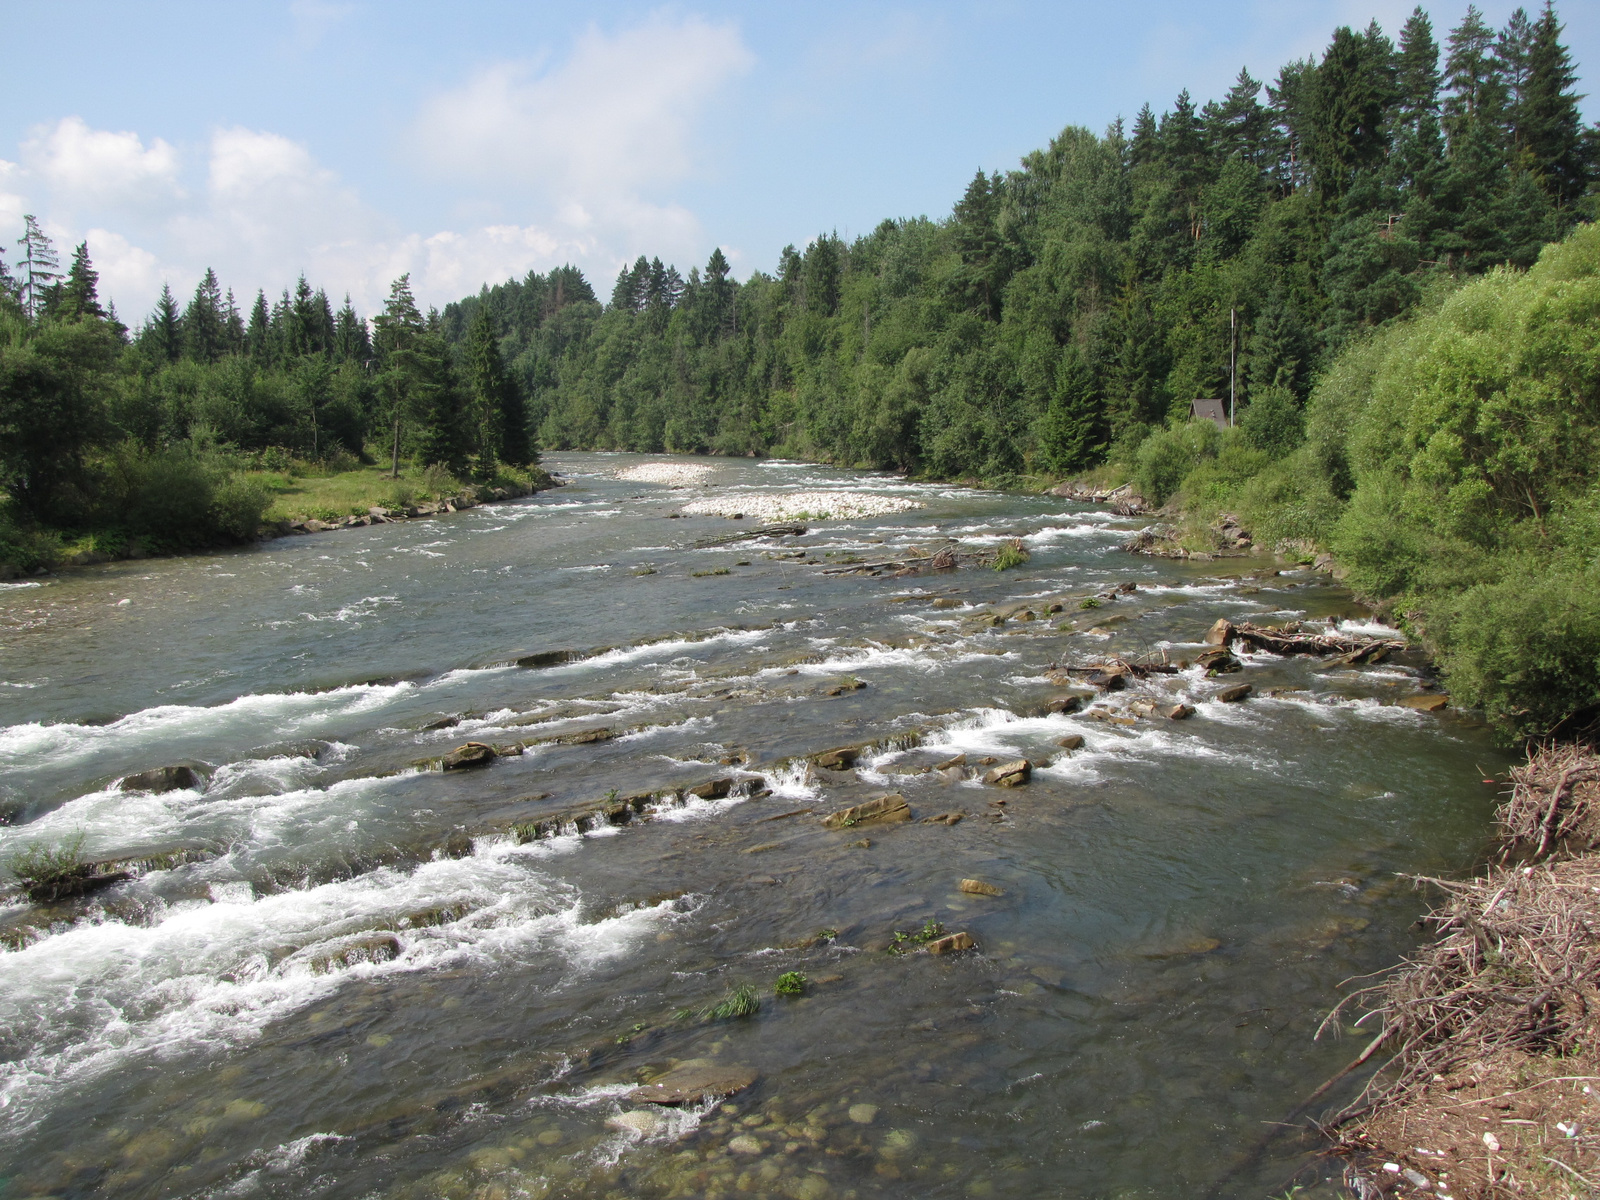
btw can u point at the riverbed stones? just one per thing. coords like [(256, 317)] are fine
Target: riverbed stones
[(713, 789), (841, 758), (949, 818), (161, 779), (1426, 702), (544, 658), (863, 1114), (1218, 662), (693, 1085), (467, 756), (1010, 774), (369, 948), (952, 943), (640, 1122), (1236, 693), (977, 887), (884, 810), (1073, 741), (1180, 712)]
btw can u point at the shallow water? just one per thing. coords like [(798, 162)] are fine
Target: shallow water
[(368, 984)]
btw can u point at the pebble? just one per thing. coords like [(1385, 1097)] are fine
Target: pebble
[(744, 1144), (839, 505), (863, 1114)]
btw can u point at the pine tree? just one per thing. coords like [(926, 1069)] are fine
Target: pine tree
[(1145, 145), (1349, 99), (80, 295), (205, 322), (164, 331), (400, 322), (1240, 125), (351, 340), (233, 326), (39, 266), (1417, 74)]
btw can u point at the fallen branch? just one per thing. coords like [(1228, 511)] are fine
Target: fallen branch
[(795, 530)]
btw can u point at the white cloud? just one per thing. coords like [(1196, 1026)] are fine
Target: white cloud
[(97, 167), (571, 164)]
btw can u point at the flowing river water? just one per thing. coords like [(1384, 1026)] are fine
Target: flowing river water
[(356, 976)]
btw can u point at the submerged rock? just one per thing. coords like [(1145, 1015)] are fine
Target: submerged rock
[(949, 818), (369, 948), (1073, 741), (161, 779), (976, 887), (1180, 712), (1426, 702), (641, 1121), (884, 810), (1236, 693), (544, 658), (692, 1085)]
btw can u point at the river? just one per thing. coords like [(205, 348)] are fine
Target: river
[(364, 977)]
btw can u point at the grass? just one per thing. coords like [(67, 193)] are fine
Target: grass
[(741, 1002), (790, 983), (50, 873), (1011, 554), (703, 574), (307, 491)]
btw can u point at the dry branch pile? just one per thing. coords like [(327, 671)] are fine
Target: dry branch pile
[(1494, 1026), (1296, 637)]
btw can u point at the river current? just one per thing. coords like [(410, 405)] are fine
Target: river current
[(356, 975)]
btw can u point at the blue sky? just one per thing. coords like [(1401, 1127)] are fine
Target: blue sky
[(474, 141)]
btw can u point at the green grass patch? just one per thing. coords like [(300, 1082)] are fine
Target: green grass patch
[(741, 1002), (50, 873), (790, 983)]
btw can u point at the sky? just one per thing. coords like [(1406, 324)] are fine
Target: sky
[(355, 140)]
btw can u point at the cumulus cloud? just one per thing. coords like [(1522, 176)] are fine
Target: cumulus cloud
[(571, 162)]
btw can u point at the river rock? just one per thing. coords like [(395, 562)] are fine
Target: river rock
[(544, 658), (1220, 634), (959, 760), (470, 754), (839, 759), (863, 1114), (1010, 774), (952, 943), (745, 1144), (1180, 712), (949, 818), (691, 1085), (1236, 693), (1064, 704), (161, 779), (946, 602), (368, 948), (977, 887), (1073, 741), (715, 789), (885, 810), (1107, 681), (1218, 662), (641, 1122), (1426, 702)]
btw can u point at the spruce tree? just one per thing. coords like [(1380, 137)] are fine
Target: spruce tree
[(164, 331), (80, 295), (1544, 117), (501, 417), (38, 265), (1070, 432), (233, 326), (205, 322), (1417, 73), (1476, 96), (258, 334)]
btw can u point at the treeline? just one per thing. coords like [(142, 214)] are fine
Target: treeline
[(1066, 309), (148, 434)]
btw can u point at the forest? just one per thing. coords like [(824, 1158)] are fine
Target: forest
[(1380, 261)]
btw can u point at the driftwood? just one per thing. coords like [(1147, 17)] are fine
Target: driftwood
[(760, 531), (945, 560), (1296, 638)]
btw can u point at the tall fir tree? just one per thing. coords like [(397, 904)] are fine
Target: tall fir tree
[(164, 331), (80, 294), (205, 321), (500, 414), (258, 333), (1545, 120), (38, 267)]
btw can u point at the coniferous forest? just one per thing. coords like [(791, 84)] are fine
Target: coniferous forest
[(1295, 248)]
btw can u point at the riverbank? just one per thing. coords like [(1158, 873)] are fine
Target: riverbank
[(1493, 1087), (297, 500)]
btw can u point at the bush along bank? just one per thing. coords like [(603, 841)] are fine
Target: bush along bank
[(1446, 463)]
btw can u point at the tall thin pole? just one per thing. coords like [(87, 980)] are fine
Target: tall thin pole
[(1233, 342)]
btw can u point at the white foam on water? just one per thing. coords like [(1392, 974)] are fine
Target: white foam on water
[(12, 587), (684, 726), (91, 998), (1371, 629), (793, 782), (928, 659)]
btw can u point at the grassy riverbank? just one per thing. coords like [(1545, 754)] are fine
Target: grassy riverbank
[(265, 500)]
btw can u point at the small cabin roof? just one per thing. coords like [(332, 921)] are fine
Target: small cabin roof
[(1215, 411)]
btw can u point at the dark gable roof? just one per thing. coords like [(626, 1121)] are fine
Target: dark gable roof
[(1209, 410)]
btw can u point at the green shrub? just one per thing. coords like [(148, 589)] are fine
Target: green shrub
[(790, 983), (1011, 554), (1273, 422), (1166, 457), (237, 505), (50, 873)]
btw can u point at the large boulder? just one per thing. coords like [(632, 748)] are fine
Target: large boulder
[(885, 810), (1427, 702), (1236, 693), (1010, 774), (470, 754), (952, 943), (161, 779), (1221, 633)]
